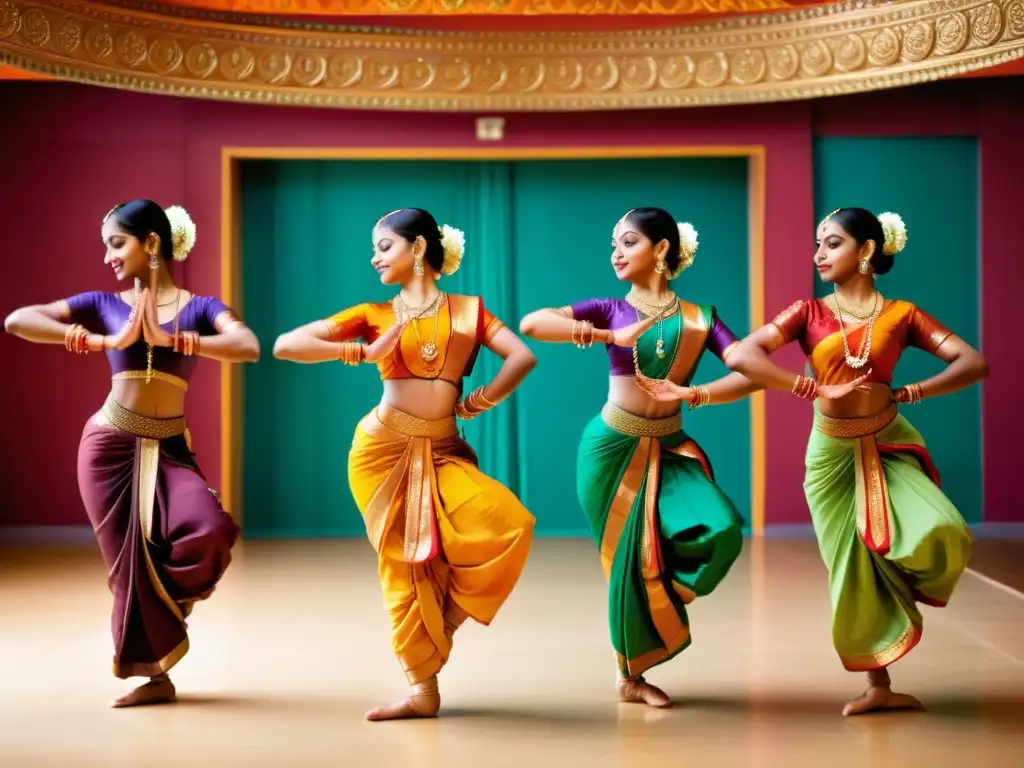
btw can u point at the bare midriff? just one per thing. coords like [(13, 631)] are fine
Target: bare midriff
[(624, 393), (157, 399), (867, 401), (430, 400)]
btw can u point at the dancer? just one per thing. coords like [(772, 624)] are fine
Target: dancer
[(889, 537), (162, 532), (450, 541), (666, 532)]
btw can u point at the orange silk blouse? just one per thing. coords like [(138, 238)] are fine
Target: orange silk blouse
[(898, 326), (462, 324)]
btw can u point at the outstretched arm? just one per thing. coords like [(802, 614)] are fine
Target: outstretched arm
[(333, 339), (558, 325), (43, 323), (310, 343)]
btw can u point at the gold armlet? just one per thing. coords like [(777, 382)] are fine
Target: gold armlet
[(351, 353), (729, 350)]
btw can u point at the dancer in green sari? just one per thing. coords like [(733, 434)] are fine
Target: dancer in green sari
[(889, 536), (665, 531)]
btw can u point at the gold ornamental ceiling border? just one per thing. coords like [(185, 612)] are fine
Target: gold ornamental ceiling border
[(828, 50), (338, 8)]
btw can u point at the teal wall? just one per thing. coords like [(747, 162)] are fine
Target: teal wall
[(537, 235), (933, 184)]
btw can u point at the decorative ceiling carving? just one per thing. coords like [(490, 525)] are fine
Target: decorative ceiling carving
[(843, 48)]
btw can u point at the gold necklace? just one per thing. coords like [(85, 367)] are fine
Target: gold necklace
[(661, 312), (428, 350), (862, 316), (865, 347)]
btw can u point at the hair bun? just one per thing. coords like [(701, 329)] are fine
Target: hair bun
[(687, 247), (183, 232), (895, 232), (453, 241)]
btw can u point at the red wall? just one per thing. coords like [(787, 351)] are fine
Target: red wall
[(74, 151)]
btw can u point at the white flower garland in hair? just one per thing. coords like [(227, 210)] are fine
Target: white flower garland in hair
[(183, 232), (895, 232), (453, 241), (687, 247)]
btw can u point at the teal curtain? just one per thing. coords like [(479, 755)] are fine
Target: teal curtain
[(537, 234), (932, 183)]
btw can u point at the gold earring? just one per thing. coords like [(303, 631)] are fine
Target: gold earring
[(417, 266), (660, 268), (864, 267)]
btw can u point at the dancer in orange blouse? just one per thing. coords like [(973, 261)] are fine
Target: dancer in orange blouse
[(889, 536), (451, 542)]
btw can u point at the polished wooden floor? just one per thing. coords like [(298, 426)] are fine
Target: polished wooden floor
[(294, 647)]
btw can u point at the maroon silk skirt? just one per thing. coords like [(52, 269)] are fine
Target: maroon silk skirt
[(163, 534)]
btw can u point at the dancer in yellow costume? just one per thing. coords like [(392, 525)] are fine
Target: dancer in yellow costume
[(450, 541)]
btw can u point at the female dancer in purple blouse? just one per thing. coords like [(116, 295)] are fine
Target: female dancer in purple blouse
[(163, 534), (666, 532)]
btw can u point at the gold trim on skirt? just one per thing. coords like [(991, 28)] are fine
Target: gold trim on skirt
[(861, 426), (139, 425), (638, 426), (413, 426)]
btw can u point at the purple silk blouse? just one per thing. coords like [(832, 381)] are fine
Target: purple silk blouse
[(612, 314), (106, 313)]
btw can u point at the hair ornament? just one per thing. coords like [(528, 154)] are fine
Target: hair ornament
[(687, 247), (453, 241), (183, 232), (895, 232)]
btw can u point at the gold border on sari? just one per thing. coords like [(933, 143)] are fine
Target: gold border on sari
[(693, 336), (139, 425), (871, 489), (413, 474), (906, 642), (639, 426), (465, 315)]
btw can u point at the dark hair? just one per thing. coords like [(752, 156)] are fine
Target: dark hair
[(411, 223), (141, 218), (862, 225), (657, 224)]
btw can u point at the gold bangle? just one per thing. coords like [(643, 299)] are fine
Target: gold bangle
[(805, 388), (351, 353), (703, 398)]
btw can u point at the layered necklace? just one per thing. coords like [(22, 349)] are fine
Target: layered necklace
[(660, 311), (428, 350), (864, 354)]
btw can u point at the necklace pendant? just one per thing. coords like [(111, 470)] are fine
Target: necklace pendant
[(659, 349), (428, 352)]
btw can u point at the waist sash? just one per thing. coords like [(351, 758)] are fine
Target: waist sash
[(414, 474), (139, 425), (872, 492)]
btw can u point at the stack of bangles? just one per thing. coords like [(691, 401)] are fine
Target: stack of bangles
[(703, 397), (187, 343), (351, 353), (582, 333), (473, 405), (805, 388), (910, 394), (76, 339)]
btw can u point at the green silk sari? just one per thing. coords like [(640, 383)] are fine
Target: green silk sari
[(666, 532)]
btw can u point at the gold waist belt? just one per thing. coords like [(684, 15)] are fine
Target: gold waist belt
[(169, 378), (142, 426), (637, 426), (412, 426), (861, 426)]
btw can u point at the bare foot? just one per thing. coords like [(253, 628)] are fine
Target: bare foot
[(636, 690), (415, 706), (156, 691), (880, 697)]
